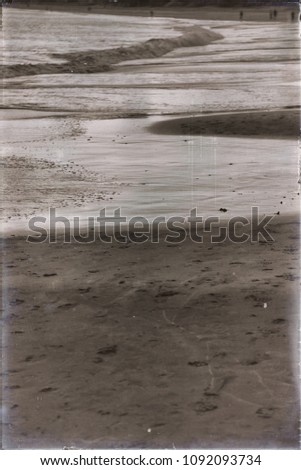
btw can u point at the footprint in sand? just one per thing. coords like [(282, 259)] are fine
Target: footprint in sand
[(217, 385), (198, 363), (265, 412), (16, 302), (98, 360), (65, 305), (107, 350), (203, 406), (48, 389), (84, 291), (167, 294), (249, 362), (278, 321)]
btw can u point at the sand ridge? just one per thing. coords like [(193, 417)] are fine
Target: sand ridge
[(102, 61), (283, 123)]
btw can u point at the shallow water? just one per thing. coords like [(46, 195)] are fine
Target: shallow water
[(32, 36), (255, 66), (247, 69), (154, 175)]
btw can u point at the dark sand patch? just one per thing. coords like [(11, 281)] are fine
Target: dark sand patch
[(270, 124), (93, 61)]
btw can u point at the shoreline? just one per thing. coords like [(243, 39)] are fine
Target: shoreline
[(92, 61), (87, 192), (194, 13)]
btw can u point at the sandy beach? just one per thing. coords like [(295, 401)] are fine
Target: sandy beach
[(153, 345)]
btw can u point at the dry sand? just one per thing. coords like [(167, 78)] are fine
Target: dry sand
[(195, 342)]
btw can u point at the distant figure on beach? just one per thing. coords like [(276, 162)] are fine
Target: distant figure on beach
[(293, 16), (241, 15), (275, 13), (151, 14)]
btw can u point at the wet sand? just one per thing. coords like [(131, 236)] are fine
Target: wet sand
[(152, 346), (102, 61), (207, 13), (282, 124), (171, 175)]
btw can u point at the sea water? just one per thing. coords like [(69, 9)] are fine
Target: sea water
[(254, 66)]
